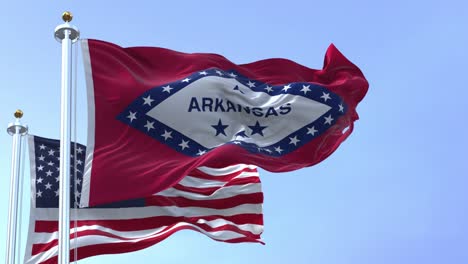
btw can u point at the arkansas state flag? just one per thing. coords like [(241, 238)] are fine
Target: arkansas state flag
[(155, 114)]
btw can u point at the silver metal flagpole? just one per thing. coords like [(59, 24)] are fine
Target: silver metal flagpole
[(66, 34), (17, 130)]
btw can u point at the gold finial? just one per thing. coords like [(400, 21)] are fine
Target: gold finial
[(19, 114), (67, 16)]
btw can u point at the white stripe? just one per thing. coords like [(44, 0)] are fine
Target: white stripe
[(225, 192), (225, 170), (95, 240), (190, 181), (84, 201), (149, 211)]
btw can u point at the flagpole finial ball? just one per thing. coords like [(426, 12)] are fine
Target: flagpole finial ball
[(18, 114), (67, 16)]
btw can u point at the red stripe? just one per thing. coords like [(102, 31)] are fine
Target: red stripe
[(149, 222), (41, 247), (210, 190), (252, 198), (123, 247)]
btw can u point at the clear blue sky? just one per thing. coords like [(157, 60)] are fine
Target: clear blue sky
[(394, 192)]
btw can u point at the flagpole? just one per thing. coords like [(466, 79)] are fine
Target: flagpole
[(17, 130), (66, 34)]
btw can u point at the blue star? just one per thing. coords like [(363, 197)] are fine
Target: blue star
[(242, 134), (257, 129), (220, 128)]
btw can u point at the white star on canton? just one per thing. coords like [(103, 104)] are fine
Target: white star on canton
[(269, 88), (51, 152), (294, 140), (79, 150), (167, 134), (42, 146), (40, 168), (57, 192), (305, 89), (50, 163), (41, 158), (184, 144), (278, 149), (286, 87), (57, 179), (149, 125), (328, 119), (39, 193), (268, 150), (233, 75), (201, 152), (148, 100), (251, 84), (132, 116), (39, 180), (341, 108), (325, 96), (186, 80), (219, 73), (311, 130), (77, 194), (79, 162), (167, 89), (48, 173), (78, 181), (203, 73), (58, 168), (48, 186)]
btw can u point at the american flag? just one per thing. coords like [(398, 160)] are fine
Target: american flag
[(223, 203)]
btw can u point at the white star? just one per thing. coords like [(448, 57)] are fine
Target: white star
[(286, 87), (268, 150), (251, 84), (47, 186), (51, 152), (233, 75), (39, 194), (41, 158), (219, 73), (48, 173), (78, 181), (58, 168), (341, 108), (79, 162), (203, 73), (184, 144), (305, 89), (325, 96), (132, 116), (311, 130), (201, 152), (237, 142), (50, 163), (77, 194), (40, 168), (57, 179), (79, 150), (149, 125), (167, 89), (186, 80), (294, 140), (269, 88), (39, 180), (148, 100), (167, 134), (278, 149), (328, 119), (42, 146), (57, 192)]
